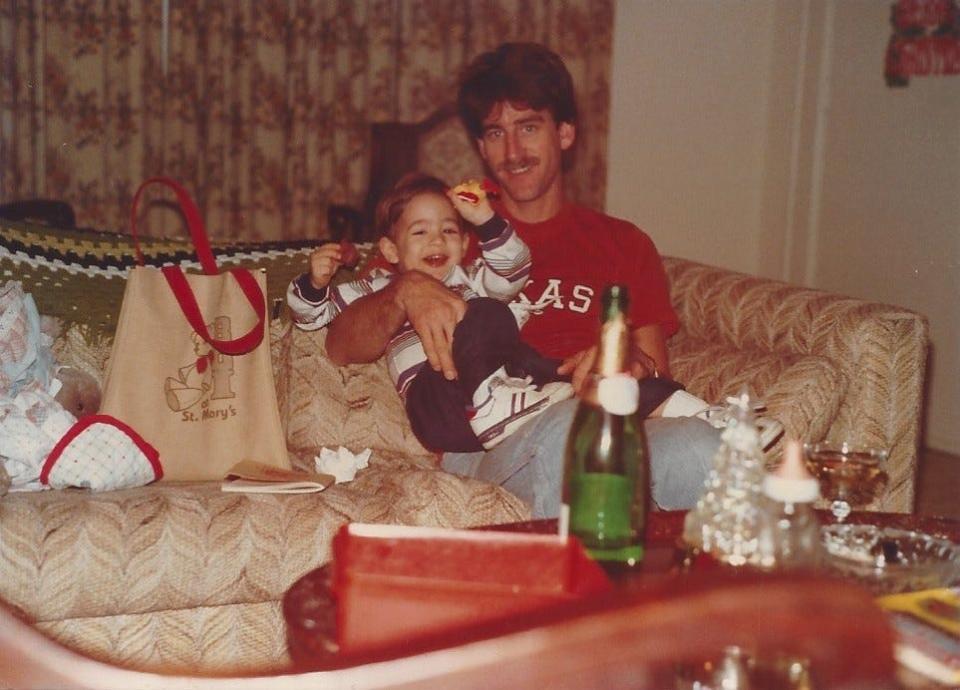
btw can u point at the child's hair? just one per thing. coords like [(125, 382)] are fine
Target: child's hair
[(391, 205), (518, 73)]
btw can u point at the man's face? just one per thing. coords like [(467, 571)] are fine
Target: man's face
[(522, 147)]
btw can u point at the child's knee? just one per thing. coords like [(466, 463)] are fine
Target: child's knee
[(487, 308), (487, 315)]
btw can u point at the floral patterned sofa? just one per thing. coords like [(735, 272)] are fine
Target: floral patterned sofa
[(183, 577)]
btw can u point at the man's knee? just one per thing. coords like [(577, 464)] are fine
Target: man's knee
[(539, 442), (556, 420), (682, 450)]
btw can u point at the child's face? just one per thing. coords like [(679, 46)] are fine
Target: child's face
[(426, 237)]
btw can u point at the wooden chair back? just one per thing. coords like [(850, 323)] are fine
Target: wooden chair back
[(437, 145)]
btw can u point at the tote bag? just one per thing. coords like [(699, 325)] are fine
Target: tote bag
[(190, 368)]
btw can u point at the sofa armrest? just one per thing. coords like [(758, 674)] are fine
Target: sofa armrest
[(881, 351)]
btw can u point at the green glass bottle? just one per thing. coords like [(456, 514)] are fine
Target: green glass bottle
[(606, 488)]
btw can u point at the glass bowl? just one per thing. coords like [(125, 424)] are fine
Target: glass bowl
[(888, 560)]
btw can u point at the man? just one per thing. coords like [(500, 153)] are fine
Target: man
[(518, 104)]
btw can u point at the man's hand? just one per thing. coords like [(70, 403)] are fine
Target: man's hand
[(579, 366), (642, 365), (649, 349), (434, 312)]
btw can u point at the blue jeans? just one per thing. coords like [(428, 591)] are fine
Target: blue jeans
[(529, 463)]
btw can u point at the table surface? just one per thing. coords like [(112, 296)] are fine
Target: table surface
[(310, 611), (667, 525), (665, 528)]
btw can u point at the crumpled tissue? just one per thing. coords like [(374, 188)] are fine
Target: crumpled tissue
[(341, 463)]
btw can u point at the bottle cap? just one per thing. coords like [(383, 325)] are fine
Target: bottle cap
[(791, 482), (619, 394)]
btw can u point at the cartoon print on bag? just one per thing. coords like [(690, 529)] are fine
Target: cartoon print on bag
[(206, 378)]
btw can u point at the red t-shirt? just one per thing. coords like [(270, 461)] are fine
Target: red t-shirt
[(576, 254)]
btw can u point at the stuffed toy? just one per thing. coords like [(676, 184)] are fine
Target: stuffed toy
[(79, 392)]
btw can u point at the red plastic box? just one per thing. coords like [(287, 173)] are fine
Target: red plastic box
[(393, 584)]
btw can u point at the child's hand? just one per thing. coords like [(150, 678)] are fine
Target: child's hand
[(470, 200), (324, 262)]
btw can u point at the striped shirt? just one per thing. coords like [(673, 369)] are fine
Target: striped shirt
[(500, 272)]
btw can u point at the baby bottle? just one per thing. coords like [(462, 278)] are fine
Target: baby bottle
[(788, 534)]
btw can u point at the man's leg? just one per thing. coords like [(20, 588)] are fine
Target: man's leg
[(529, 463)]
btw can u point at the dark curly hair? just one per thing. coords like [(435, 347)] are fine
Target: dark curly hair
[(518, 73), (391, 204)]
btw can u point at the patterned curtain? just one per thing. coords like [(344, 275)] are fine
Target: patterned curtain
[(261, 108), (79, 98)]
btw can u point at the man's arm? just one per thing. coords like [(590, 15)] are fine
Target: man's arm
[(361, 332)]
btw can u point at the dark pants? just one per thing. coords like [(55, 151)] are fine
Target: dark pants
[(486, 339)]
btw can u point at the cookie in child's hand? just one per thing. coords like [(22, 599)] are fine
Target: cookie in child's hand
[(349, 256), (470, 191)]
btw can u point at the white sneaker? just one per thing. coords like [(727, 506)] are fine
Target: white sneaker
[(769, 429), (682, 404), (503, 403)]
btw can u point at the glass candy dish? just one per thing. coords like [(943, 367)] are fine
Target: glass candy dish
[(889, 560)]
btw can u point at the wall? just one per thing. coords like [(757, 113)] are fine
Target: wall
[(760, 136), (687, 115)]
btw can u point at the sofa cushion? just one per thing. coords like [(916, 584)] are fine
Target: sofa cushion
[(802, 391), (358, 408), (73, 553)]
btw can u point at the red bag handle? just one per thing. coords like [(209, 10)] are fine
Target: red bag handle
[(188, 305), (194, 223), (181, 288)]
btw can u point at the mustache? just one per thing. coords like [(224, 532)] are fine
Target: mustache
[(526, 161)]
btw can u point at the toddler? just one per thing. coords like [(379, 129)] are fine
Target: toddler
[(502, 382)]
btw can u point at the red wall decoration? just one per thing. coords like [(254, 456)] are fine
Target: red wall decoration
[(925, 40)]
